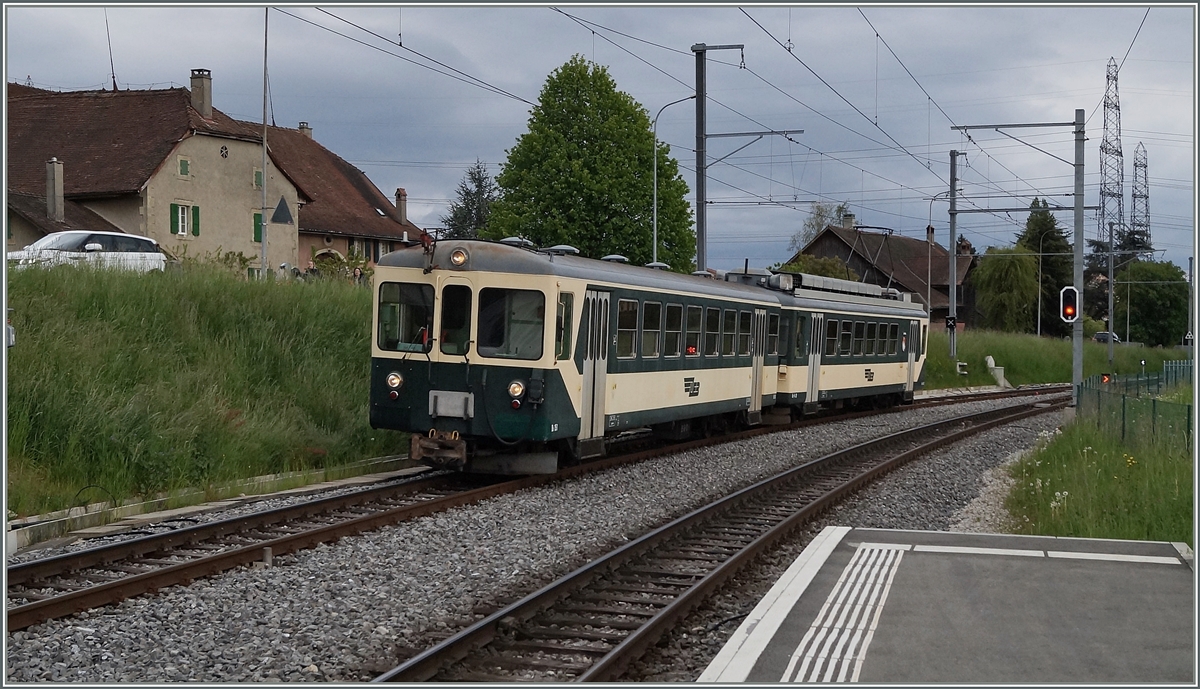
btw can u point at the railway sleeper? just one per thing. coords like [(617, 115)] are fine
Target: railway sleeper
[(580, 620), (666, 600), (607, 610), (554, 647), (525, 662), (694, 556), (541, 633), (655, 572)]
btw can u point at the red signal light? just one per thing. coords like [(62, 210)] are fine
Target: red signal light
[(1068, 302)]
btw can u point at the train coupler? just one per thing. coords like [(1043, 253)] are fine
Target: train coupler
[(439, 449)]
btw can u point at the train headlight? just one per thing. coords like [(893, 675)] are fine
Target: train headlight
[(516, 389), (458, 258), (394, 380)]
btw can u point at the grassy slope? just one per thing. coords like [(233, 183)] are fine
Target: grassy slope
[(140, 383), (1029, 359)]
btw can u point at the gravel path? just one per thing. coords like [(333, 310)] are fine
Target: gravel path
[(349, 610)]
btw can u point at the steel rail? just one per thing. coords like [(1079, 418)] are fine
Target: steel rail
[(27, 574), (425, 665)]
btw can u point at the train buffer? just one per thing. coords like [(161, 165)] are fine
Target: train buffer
[(920, 607)]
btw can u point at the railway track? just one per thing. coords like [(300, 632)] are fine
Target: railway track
[(592, 623), (58, 586)]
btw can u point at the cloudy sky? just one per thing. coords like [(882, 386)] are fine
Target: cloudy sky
[(875, 89)]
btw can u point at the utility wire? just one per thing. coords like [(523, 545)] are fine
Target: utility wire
[(476, 83), (436, 62)]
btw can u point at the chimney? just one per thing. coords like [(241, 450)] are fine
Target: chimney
[(55, 209), (848, 221), (305, 129), (202, 92), (402, 204)]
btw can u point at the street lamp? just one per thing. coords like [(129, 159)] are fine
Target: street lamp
[(654, 163)]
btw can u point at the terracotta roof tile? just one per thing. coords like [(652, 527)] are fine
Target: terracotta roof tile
[(344, 201), (111, 142), (75, 216)]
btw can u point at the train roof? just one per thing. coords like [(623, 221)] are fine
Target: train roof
[(501, 257)]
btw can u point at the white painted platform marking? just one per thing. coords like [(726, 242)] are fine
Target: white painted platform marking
[(835, 640)]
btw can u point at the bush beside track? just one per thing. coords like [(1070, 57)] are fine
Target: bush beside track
[(130, 385)]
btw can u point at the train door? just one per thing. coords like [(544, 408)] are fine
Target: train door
[(814, 362), (758, 350), (913, 345), (594, 327)]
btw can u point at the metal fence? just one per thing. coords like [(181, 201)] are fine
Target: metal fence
[(1130, 405)]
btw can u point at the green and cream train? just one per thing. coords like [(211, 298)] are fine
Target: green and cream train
[(502, 358)]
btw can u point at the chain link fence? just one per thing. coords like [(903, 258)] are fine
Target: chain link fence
[(1130, 405)]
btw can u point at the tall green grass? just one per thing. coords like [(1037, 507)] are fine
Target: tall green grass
[(127, 385), (1029, 359), (1085, 483)]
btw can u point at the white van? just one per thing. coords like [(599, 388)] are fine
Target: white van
[(102, 249)]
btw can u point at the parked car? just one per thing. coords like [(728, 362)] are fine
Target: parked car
[(1105, 336), (103, 249)]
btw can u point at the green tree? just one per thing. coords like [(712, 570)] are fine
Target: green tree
[(1006, 287), (1153, 296), (582, 175), (817, 265), (470, 210), (820, 216), (1043, 232)]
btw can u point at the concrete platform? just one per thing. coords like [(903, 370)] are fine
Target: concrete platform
[(875, 605)]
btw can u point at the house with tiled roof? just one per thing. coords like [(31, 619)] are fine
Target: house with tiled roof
[(166, 164), (346, 213), (905, 263)]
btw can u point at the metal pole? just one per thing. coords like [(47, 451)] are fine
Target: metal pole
[(701, 210), (929, 268), (654, 128), (953, 250), (1039, 331), (1077, 334), (1191, 305), (263, 267), (1112, 327)]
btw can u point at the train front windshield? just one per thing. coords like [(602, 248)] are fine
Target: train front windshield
[(405, 317)]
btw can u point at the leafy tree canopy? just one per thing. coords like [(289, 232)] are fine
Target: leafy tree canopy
[(1153, 296), (1042, 234), (470, 210), (1006, 288), (820, 216), (582, 175), (817, 265)]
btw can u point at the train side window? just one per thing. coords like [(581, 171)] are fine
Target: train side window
[(859, 328), (744, 333), (405, 317), (562, 329), (881, 343), (512, 323), (728, 332), (695, 318), (924, 339), (893, 337), (844, 339), (456, 319), (674, 330), (712, 331), (627, 321), (773, 334), (869, 343), (651, 329), (801, 329), (831, 335)]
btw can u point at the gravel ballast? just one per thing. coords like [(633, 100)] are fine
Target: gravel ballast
[(348, 611)]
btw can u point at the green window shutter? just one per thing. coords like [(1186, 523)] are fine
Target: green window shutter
[(258, 227), (183, 166), (258, 176), (196, 221), (174, 218)]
